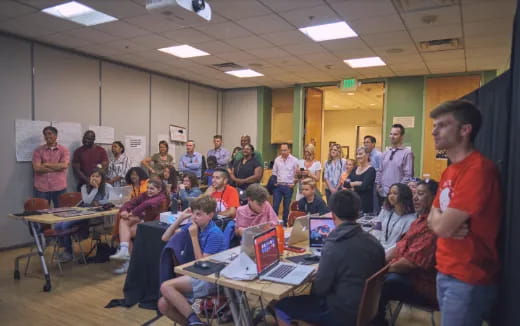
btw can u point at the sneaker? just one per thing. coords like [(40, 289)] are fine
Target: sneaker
[(120, 255), (122, 269), (65, 257)]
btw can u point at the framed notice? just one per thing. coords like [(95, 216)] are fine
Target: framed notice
[(178, 134)]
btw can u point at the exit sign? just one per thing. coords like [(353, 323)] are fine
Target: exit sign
[(349, 84)]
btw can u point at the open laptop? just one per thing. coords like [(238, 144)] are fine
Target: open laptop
[(269, 266), (248, 238), (300, 231), (319, 229)]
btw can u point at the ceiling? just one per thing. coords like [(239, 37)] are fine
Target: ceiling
[(263, 35), (366, 97)]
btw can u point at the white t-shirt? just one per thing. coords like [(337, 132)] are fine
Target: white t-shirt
[(316, 166)]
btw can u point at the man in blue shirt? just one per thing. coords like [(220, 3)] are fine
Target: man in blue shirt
[(375, 155), (191, 161), (223, 155), (207, 239)]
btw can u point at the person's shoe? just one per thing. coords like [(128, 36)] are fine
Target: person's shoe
[(65, 257), (121, 254), (197, 323), (122, 269)]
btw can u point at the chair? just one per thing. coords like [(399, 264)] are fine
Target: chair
[(69, 199), (425, 307), (293, 215), (369, 304), (294, 206)]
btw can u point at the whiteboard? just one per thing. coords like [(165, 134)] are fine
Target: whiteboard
[(69, 135), (104, 134), (28, 136)]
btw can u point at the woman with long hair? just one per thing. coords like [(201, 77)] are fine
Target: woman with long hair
[(361, 180), (334, 167), (118, 166), (159, 161), (308, 168)]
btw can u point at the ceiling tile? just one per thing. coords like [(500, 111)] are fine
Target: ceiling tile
[(239, 57), (443, 16), (287, 5), (265, 24), (353, 53), (91, 35), (402, 59), (187, 36), (443, 55), (125, 46), (411, 72), (474, 12), (224, 31), (362, 9), (320, 58), (488, 41), (311, 16), (156, 23), (396, 50), (249, 43), (412, 65), (436, 33), (488, 28), (234, 10), (283, 61), (304, 48), (386, 39), (121, 29), (41, 4), (11, 9), (64, 40), (117, 8), (151, 41), (342, 44), (215, 47), (271, 52), (391, 23), (285, 38), (488, 52)]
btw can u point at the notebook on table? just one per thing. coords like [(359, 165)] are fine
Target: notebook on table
[(319, 230), (269, 266)]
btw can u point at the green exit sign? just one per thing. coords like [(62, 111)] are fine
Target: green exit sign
[(349, 84)]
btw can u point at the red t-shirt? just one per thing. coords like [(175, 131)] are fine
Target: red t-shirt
[(226, 198), (89, 158), (472, 186)]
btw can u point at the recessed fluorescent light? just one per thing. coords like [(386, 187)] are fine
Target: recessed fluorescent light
[(372, 104), (244, 73), (351, 94), (79, 13), (327, 32), (365, 62), (184, 51)]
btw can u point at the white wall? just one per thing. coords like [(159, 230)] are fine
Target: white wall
[(240, 116), (75, 88)]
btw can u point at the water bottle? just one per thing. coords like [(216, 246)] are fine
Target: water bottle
[(281, 237)]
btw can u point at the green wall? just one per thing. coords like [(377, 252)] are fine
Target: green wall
[(264, 124), (298, 124), (404, 98)]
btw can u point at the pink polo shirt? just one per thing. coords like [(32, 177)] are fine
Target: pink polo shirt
[(51, 181), (246, 217)]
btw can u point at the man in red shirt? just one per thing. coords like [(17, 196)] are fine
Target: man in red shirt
[(225, 195), (88, 157), (466, 218)]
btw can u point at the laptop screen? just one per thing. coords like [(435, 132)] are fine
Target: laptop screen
[(266, 250), (319, 229)]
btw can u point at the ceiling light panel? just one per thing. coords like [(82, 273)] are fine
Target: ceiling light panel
[(327, 32), (244, 73), (184, 51), (365, 62), (79, 13)]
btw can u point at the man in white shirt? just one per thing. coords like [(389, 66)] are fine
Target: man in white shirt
[(284, 169)]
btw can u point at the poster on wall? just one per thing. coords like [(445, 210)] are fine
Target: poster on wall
[(28, 136), (135, 149), (407, 122), (178, 134), (104, 134), (69, 134)]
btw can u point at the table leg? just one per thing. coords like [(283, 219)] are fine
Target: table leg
[(47, 286), (233, 305), (245, 311)]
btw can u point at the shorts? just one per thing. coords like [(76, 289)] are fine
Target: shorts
[(201, 289)]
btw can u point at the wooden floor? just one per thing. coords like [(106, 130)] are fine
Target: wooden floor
[(80, 293)]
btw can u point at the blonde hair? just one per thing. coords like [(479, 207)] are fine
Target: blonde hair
[(311, 149), (340, 150), (364, 149), (309, 182)]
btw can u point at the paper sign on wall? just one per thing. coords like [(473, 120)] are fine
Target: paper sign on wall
[(69, 134), (104, 134), (28, 136), (407, 122), (135, 149), (178, 134)]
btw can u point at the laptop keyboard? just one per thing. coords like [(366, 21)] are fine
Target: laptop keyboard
[(281, 271)]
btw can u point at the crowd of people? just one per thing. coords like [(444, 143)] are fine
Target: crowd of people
[(438, 238)]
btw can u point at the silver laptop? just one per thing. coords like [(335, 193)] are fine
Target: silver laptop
[(248, 238), (319, 229), (269, 266)]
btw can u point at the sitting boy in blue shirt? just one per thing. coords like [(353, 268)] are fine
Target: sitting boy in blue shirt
[(311, 203), (207, 239)]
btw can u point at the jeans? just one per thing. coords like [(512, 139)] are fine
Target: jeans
[(464, 304), (285, 192), (49, 195), (65, 241), (328, 193)]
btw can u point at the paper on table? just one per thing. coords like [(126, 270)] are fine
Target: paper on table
[(28, 136), (241, 268), (226, 256), (135, 149), (104, 134), (69, 134)]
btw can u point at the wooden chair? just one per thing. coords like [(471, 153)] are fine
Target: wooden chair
[(69, 199), (427, 308), (293, 206), (369, 304), (293, 215)]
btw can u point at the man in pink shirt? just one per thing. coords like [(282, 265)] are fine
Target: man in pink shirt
[(284, 169), (256, 211), (50, 163)]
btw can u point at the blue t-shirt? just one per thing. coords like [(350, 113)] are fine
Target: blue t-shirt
[(211, 239), (317, 206)]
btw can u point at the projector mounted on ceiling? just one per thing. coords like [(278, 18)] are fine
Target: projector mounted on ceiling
[(177, 7)]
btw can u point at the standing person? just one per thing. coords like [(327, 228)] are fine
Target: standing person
[(351, 165), (284, 169), (221, 154), (375, 156), (225, 195), (159, 161), (334, 167), (361, 180), (50, 163), (396, 164), (236, 150), (191, 161), (307, 168), (119, 166), (246, 140), (88, 158), (466, 218), (246, 171)]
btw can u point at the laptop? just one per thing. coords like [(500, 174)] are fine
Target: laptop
[(299, 232), (269, 266), (319, 229), (248, 238)]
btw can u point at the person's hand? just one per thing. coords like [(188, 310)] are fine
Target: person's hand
[(333, 190), (194, 230), (94, 184), (304, 173), (186, 214), (290, 185), (124, 215), (210, 190), (182, 186), (152, 170), (461, 232)]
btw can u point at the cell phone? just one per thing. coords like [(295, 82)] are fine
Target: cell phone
[(302, 169), (295, 249)]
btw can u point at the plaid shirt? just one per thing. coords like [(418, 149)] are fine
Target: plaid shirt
[(333, 171)]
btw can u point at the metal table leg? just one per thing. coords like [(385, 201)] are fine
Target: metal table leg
[(233, 305), (245, 311), (47, 286)]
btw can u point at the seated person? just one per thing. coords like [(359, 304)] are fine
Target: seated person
[(133, 213), (311, 203), (208, 174), (349, 257), (93, 194), (396, 215), (188, 189), (207, 239), (225, 195), (412, 273), (256, 211), (138, 180), (169, 178)]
